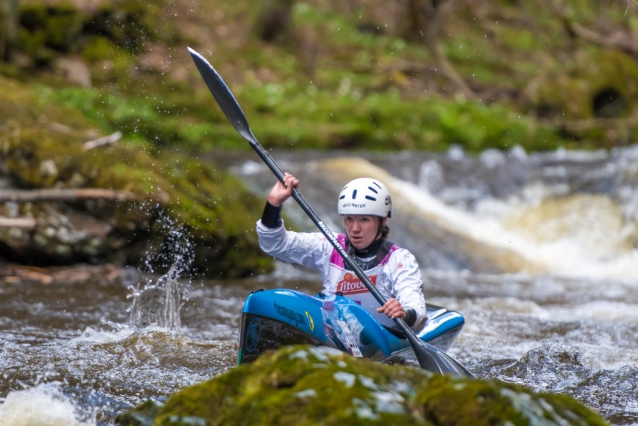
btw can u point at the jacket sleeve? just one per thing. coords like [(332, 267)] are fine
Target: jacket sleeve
[(309, 249), (405, 275)]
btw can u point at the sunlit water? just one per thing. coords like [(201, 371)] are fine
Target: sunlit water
[(555, 309)]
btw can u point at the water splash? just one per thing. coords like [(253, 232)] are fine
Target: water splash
[(159, 302)]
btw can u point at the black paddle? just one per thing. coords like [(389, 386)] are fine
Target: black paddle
[(429, 357)]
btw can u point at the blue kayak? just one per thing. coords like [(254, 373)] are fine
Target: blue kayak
[(275, 318)]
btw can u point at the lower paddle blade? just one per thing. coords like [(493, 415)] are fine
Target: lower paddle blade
[(435, 360)]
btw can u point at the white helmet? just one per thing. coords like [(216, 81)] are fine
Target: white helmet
[(365, 196)]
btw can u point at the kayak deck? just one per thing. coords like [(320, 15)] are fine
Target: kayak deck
[(275, 318)]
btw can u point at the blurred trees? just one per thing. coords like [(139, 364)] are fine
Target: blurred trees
[(8, 27), (273, 21)]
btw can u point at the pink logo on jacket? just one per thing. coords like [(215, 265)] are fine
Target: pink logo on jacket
[(351, 284)]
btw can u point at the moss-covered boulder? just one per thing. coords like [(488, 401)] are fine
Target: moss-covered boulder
[(304, 385), (41, 146)]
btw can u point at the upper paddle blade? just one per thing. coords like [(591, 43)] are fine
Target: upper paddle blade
[(224, 97)]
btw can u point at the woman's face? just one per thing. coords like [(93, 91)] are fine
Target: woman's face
[(361, 229)]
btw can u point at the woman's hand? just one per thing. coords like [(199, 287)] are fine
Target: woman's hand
[(280, 193), (393, 309)]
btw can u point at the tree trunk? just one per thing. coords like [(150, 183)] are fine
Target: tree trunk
[(273, 21), (8, 27)]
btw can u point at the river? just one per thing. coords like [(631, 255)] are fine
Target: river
[(537, 251)]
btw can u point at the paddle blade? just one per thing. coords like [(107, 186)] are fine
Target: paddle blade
[(435, 360), (224, 97)]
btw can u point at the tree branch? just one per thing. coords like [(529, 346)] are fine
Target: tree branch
[(621, 40)]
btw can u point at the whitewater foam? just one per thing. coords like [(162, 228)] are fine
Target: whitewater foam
[(42, 405)]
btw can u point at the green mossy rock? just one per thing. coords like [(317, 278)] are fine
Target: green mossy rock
[(304, 385), (41, 147)]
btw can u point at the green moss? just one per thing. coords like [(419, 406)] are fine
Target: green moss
[(306, 386)]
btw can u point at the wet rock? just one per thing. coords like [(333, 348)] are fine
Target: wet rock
[(310, 385)]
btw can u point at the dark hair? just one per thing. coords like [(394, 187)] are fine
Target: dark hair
[(385, 231)]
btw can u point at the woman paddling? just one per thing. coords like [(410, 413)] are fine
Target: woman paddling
[(365, 205)]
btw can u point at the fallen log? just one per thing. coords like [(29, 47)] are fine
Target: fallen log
[(63, 194), (17, 222), (106, 140)]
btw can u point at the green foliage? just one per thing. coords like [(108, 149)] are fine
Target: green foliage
[(288, 116), (45, 29), (304, 385), (348, 119)]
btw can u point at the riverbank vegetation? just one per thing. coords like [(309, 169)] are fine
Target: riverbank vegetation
[(404, 74)]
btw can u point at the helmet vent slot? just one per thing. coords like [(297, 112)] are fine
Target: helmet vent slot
[(373, 190), (354, 194), (377, 185), (370, 198), (342, 197)]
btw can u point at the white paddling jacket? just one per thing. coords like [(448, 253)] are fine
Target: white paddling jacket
[(397, 275)]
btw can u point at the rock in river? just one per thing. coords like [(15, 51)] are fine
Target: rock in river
[(302, 385)]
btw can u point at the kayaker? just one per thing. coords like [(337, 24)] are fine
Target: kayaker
[(365, 205)]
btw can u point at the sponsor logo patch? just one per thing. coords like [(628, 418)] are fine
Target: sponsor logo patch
[(351, 284), (291, 315)]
